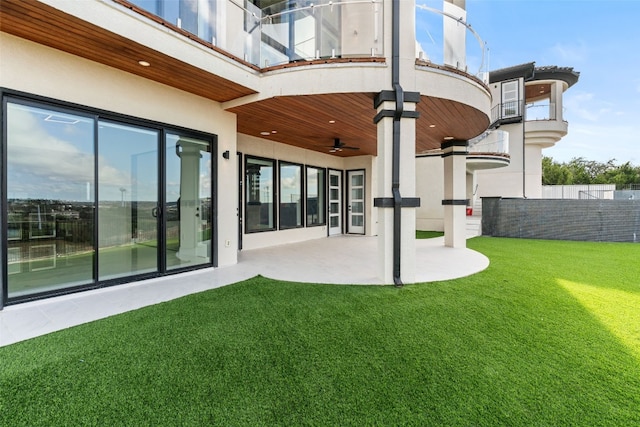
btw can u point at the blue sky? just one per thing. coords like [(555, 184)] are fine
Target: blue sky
[(598, 38)]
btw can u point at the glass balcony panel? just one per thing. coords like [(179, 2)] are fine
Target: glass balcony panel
[(445, 38), (282, 32), (490, 142)]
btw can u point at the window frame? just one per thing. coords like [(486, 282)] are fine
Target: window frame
[(321, 186), (248, 200), (301, 221), (96, 114)]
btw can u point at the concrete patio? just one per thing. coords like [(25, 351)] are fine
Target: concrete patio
[(336, 260)]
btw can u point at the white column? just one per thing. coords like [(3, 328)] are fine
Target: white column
[(454, 154), (556, 98)]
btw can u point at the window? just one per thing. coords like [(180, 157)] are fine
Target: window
[(290, 195), (316, 205), (259, 208), (510, 102)]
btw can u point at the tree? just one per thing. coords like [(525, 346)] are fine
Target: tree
[(554, 173), (581, 171)]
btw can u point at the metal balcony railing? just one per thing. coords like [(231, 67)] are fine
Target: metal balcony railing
[(507, 110)]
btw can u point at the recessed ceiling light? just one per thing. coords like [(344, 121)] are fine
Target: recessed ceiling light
[(144, 63), (432, 126), (332, 121), (448, 138), (274, 131), (265, 133)]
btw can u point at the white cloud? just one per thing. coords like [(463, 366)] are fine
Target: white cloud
[(50, 166)]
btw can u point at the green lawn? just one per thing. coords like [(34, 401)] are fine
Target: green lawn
[(548, 335), (425, 234)]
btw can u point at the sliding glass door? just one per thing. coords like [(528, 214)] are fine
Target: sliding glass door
[(95, 199), (128, 200), (188, 205)]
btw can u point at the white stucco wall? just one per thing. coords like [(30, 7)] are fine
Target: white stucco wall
[(430, 189)]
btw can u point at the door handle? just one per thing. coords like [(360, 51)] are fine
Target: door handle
[(155, 212)]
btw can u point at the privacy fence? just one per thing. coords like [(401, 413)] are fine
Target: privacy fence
[(587, 220)]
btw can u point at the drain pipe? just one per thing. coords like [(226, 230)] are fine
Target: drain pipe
[(395, 171)]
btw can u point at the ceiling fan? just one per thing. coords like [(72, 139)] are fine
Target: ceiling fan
[(339, 146)]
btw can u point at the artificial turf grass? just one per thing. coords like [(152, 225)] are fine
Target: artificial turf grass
[(508, 346), (427, 234)]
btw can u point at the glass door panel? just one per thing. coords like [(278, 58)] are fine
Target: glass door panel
[(188, 202), (335, 202), (50, 200), (128, 200), (356, 202)]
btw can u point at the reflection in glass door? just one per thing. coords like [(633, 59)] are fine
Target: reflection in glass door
[(188, 203), (50, 199), (356, 202), (128, 200)]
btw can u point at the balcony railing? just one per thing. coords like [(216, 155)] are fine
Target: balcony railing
[(490, 142), (511, 110), (445, 38), (546, 111), (289, 31), (305, 30)]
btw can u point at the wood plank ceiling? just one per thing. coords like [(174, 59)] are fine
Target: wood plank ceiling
[(43, 24), (308, 121)]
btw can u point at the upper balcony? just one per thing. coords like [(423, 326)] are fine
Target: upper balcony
[(283, 68), (533, 96), (267, 33), (544, 125)]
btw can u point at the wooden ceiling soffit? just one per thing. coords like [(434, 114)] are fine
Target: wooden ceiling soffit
[(441, 118), (313, 121), (43, 24)]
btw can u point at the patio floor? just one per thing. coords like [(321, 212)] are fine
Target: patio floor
[(338, 260)]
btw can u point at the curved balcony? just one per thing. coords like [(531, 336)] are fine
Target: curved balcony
[(490, 150), (321, 77), (544, 125)]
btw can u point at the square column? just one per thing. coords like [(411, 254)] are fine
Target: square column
[(454, 153), (404, 200)]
